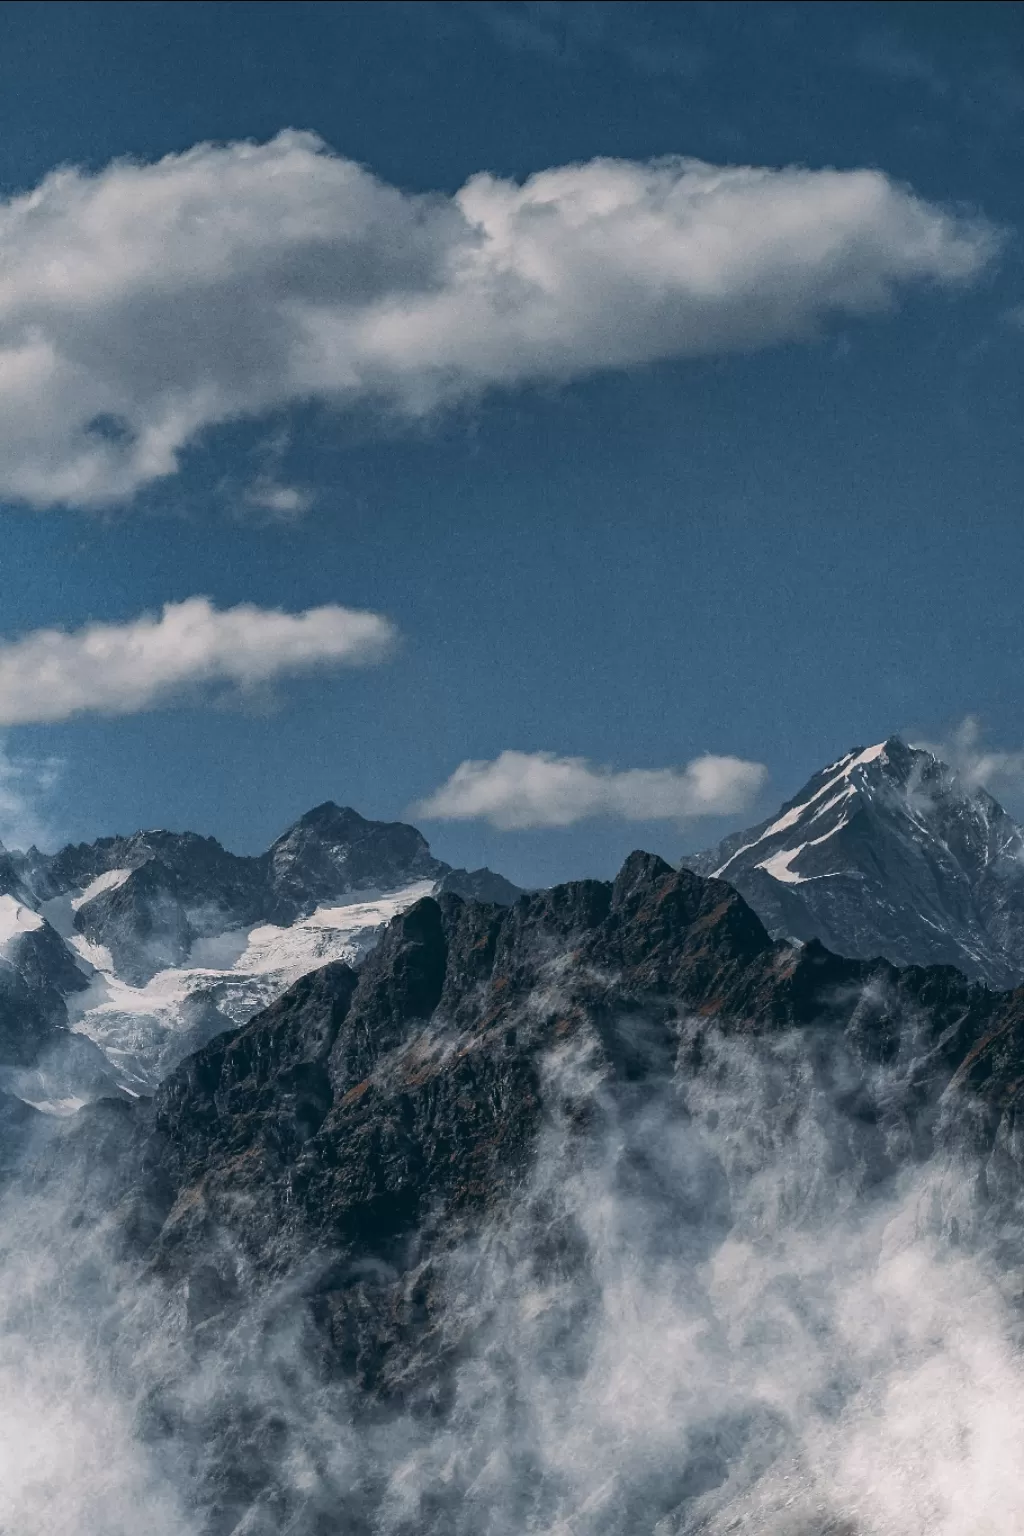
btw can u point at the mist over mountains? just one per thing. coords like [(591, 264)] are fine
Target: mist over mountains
[(684, 1203)]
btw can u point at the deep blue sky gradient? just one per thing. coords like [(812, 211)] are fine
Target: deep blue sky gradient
[(778, 555)]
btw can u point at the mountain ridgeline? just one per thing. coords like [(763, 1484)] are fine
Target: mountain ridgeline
[(887, 852), (601, 1209), (118, 957), (572, 1202)]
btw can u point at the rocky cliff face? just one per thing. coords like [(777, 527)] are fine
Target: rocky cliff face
[(886, 852), (604, 1212)]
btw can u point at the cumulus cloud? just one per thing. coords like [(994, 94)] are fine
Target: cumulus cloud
[(145, 302), (119, 669), (539, 789), (998, 770)]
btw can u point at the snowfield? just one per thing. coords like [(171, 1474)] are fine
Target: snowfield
[(144, 1031)]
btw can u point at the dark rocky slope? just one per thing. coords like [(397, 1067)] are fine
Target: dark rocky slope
[(373, 1149)]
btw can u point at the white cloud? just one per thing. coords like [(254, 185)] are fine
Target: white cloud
[(142, 303), (539, 789), (281, 501), (119, 669), (26, 784), (998, 770)]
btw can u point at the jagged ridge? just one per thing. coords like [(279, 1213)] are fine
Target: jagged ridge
[(318, 1167)]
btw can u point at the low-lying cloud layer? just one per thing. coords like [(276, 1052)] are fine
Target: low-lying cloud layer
[(539, 789), (143, 303), (119, 669), (706, 1316)]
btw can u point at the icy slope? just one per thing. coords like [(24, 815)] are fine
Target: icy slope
[(119, 957), (144, 1031)]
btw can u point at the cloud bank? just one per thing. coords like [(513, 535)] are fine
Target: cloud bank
[(517, 790), (144, 303), (119, 669), (706, 1312)]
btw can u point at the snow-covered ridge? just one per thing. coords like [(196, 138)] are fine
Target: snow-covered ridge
[(887, 852), (16, 919), (147, 946), (145, 1030)]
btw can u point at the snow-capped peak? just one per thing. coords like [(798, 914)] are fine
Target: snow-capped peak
[(148, 945), (886, 851), (836, 779)]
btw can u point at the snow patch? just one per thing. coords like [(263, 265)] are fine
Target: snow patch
[(144, 1031), (778, 866), (844, 767), (92, 957), (830, 805), (60, 1107), (105, 882), (869, 755), (16, 919)]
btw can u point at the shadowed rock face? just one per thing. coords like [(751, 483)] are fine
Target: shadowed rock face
[(337, 1156), (479, 885)]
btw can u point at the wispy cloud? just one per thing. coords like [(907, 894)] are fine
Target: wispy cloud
[(539, 789), (26, 784), (119, 669), (885, 53), (574, 33), (271, 489), (284, 501), (999, 770), (992, 93), (144, 303)]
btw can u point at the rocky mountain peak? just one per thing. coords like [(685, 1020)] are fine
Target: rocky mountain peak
[(153, 943), (332, 851), (887, 851)]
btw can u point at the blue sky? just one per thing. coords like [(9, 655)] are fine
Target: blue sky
[(759, 500)]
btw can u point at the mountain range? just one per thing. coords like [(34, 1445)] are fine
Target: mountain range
[(602, 1209), (602, 1213), (119, 957)]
